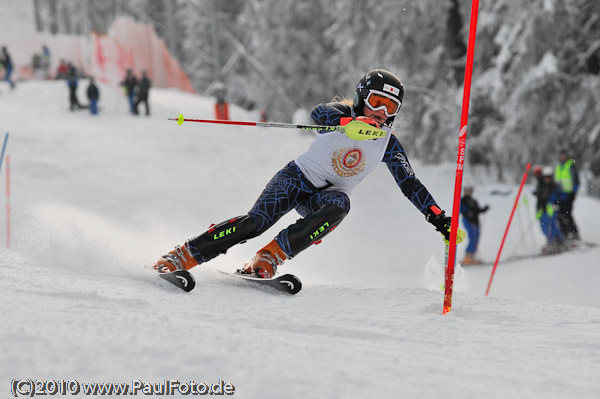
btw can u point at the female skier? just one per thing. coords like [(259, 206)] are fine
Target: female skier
[(317, 184)]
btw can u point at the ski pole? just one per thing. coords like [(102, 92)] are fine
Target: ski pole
[(460, 237), (355, 129), (446, 254)]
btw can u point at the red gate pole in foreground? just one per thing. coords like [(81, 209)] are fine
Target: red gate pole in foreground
[(508, 227), (462, 142)]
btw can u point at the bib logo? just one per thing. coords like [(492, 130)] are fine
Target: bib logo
[(348, 162)]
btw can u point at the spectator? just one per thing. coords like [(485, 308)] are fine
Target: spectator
[(548, 195), (72, 83), (46, 61), (36, 66), (6, 62), (62, 72), (93, 95), (142, 93), (567, 178), (470, 210), (263, 115), (129, 84), (221, 106)]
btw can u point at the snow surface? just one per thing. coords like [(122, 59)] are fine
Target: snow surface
[(95, 200)]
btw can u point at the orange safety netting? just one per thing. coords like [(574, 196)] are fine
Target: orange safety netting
[(128, 44)]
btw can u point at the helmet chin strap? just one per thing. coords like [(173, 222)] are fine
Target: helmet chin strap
[(358, 103)]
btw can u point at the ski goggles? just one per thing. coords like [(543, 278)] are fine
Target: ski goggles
[(377, 100)]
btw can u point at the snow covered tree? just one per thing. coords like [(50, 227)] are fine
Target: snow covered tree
[(535, 80)]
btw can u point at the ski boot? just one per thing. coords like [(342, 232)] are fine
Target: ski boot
[(554, 248), (470, 260), (265, 262), (178, 259)]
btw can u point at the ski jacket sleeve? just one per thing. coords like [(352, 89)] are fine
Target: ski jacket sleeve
[(329, 114), (397, 162), (575, 176), (476, 208)]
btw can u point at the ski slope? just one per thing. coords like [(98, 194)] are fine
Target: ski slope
[(95, 200)]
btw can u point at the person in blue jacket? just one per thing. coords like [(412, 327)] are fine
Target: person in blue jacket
[(548, 197), (318, 184), (7, 63)]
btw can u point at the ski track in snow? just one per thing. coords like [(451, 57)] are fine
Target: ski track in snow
[(96, 200)]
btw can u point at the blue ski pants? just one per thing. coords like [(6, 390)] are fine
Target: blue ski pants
[(321, 211), (473, 232)]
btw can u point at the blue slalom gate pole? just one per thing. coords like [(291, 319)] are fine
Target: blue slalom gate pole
[(7, 190), (3, 150)]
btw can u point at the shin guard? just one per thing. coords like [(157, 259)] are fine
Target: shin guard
[(310, 230), (219, 238)]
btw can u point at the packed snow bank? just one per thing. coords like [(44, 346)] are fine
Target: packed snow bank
[(330, 340)]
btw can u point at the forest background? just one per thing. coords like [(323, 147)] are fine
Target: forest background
[(536, 84)]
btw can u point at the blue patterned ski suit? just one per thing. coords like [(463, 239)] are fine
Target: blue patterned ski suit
[(322, 207)]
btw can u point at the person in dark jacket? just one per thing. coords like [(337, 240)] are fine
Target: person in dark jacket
[(142, 94), (72, 82), (567, 178), (93, 95), (6, 62), (129, 84), (470, 210)]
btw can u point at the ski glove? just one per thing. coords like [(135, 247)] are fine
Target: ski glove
[(368, 120), (347, 119), (438, 218)]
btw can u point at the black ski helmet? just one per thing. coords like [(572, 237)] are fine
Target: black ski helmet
[(379, 80)]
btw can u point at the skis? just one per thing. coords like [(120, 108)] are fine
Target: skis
[(180, 278), (581, 244), (287, 283), (570, 247)]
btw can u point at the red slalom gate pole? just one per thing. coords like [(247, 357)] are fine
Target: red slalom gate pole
[(508, 227), (460, 162)]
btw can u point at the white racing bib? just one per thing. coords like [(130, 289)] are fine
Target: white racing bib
[(334, 159)]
